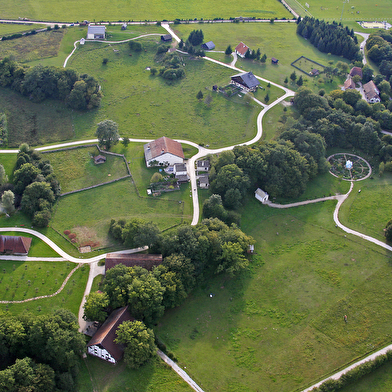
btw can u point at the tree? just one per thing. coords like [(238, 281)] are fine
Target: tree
[(232, 260), (263, 58), (7, 200), (107, 133), (300, 81), (286, 80), (138, 341), (153, 71), (125, 141), (24, 177), (266, 98), (388, 233), (184, 269), (38, 196), (199, 95), (293, 76), (135, 46), (3, 175), (196, 37), (95, 307), (156, 177), (228, 51)]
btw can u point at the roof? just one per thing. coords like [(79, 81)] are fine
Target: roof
[(99, 158), (96, 30), (107, 333), (146, 261), (14, 244), (247, 79), (204, 180), (241, 48), (203, 164), (166, 37), (370, 90), (208, 45), (162, 145), (274, 60), (261, 193), (314, 71), (182, 178), (180, 167), (356, 71), (349, 83)]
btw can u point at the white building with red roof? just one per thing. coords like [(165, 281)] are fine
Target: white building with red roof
[(241, 49), (164, 152)]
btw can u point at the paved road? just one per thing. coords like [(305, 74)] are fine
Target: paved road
[(362, 47)]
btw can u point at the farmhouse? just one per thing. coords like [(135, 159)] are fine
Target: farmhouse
[(146, 261), (356, 71), (371, 92), (166, 38), (349, 84), (14, 245), (261, 195), (203, 166), (163, 151), (96, 32), (208, 46), (245, 80), (241, 49), (102, 344), (99, 159)]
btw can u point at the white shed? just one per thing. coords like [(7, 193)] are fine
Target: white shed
[(261, 195)]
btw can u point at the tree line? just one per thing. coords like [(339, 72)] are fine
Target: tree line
[(39, 353), (79, 92), (330, 37)]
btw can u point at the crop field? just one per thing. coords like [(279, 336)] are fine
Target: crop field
[(75, 169), (69, 298), (148, 106), (100, 10), (275, 40), (280, 325), (350, 11)]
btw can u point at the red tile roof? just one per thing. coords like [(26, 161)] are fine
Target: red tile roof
[(132, 260), (14, 244), (349, 83), (241, 48), (356, 71), (163, 145), (107, 333)]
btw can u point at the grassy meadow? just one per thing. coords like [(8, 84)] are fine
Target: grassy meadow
[(275, 40), (9, 28), (100, 10)]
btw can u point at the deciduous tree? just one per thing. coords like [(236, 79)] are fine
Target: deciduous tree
[(107, 133)]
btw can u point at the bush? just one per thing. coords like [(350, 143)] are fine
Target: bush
[(135, 46)]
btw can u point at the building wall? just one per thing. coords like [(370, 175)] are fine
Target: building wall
[(167, 159), (100, 353)]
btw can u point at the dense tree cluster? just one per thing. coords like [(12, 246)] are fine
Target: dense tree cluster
[(39, 353), (330, 38), (35, 185), (3, 130), (172, 66), (195, 39), (41, 82)]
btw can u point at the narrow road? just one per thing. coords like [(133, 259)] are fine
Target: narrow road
[(362, 47)]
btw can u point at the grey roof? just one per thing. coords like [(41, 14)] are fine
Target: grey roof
[(208, 45), (248, 79), (204, 180), (180, 167), (96, 30), (203, 164)]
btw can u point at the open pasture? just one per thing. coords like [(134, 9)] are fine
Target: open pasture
[(75, 169), (349, 11), (148, 106), (9, 28), (280, 325), (277, 40), (101, 10)]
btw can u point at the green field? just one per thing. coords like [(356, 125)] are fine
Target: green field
[(75, 169), (71, 11), (9, 28), (275, 40), (352, 11)]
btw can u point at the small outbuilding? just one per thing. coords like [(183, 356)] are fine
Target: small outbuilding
[(204, 182), (166, 38), (245, 80), (99, 159), (261, 195), (102, 344), (96, 32), (124, 26), (208, 46), (274, 60), (203, 166), (314, 72)]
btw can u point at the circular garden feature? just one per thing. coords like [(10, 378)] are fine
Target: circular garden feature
[(349, 167)]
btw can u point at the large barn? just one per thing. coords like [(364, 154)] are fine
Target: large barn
[(164, 152), (245, 80), (14, 245), (96, 32)]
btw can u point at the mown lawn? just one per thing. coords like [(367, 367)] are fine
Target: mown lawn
[(280, 326), (69, 298), (153, 377), (75, 169), (101, 10), (275, 40), (148, 106), (9, 28)]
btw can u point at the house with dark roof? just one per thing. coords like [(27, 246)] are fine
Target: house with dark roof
[(371, 92), (163, 151), (166, 38), (274, 60), (99, 159), (203, 165), (241, 49), (356, 71), (246, 81), (102, 344), (208, 46), (204, 182), (14, 245), (147, 261), (96, 32), (314, 72)]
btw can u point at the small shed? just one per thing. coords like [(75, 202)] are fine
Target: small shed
[(124, 26), (261, 195), (203, 166), (274, 60), (166, 38), (99, 159), (204, 182), (314, 72), (208, 46)]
